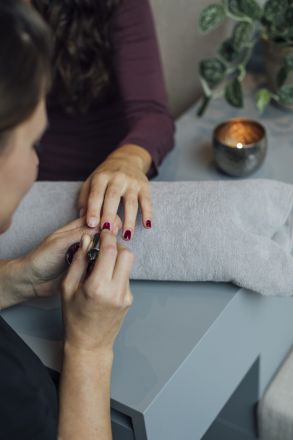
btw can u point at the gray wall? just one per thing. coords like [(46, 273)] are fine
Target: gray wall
[(182, 47)]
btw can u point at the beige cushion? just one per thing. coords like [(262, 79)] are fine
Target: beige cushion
[(275, 411), (182, 47)]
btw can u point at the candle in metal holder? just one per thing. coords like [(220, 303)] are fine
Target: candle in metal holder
[(240, 146)]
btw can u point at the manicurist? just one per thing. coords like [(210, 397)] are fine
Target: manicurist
[(94, 306)]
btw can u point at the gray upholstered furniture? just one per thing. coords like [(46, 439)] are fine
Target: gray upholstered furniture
[(275, 410)]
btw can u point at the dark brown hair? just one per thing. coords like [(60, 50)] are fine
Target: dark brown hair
[(82, 54), (25, 54)]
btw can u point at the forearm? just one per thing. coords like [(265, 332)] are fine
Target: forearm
[(155, 133), (14, 283), (138, 155), (85, 396)]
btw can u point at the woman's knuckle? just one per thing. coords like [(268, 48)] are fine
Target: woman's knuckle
[(93, 291), (110, 248), (119, 176), (119, 303), (89, 294), (135, 184), (114, 193), (94, 196), (126, 252), (132, 201), (88, 286), (146, 196), (101, 177), (128, 301)]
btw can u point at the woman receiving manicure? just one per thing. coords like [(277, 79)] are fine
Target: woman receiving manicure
[(109, 123), (95, 301)]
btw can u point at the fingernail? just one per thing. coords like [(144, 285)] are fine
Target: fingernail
[(92, 222), (148, 224), (127, 235), (81, 212), (106, 226)]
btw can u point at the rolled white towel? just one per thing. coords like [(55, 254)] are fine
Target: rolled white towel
[(238, 231)]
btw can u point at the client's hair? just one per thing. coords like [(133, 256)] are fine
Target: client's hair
[(25, 59), (82, 49)]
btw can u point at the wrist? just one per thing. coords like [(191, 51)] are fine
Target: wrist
[(15, 283), (95, 356), (133, 154)]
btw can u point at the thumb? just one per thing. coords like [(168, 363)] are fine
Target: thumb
[(61, 242)]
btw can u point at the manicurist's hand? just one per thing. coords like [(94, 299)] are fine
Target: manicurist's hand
[(45, 265), (121, 176), (95, 306)]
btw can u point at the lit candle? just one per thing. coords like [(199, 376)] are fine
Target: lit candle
[(240, 146)]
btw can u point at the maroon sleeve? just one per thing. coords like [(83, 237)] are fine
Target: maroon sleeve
[(137, 66)]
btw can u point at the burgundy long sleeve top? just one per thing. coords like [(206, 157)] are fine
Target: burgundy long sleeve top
[(75, 145)]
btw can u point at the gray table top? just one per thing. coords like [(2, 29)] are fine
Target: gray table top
[(169, 320)]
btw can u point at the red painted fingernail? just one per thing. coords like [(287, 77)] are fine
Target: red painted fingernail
[(148, 224), (127, 235), (106, 226)]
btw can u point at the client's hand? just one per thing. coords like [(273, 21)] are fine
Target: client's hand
[(94, 307), (122, 176), (45, 265)]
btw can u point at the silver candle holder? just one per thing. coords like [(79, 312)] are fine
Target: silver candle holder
[(240, 146)]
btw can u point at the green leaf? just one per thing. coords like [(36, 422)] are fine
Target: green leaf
[(282, 75), (286, 94), (289, 61), (232, 56), (251, 8), (275, 9), (263, 98), (228, 52), (203, 106), (212, 70), (206, 88), (234, 8), (234, 94), (289, 17), (241, 73), (242, 35), (211, 17)]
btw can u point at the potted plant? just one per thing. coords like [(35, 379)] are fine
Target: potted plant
[(272, 23)]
